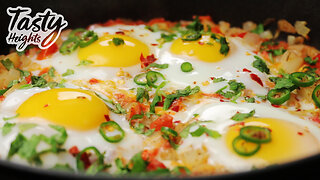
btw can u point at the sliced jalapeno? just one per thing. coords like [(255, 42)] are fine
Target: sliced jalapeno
[(140, 79), (193, 36), (98, 163), (186, 67), (245, 148), (255, 134), (76, 33), (152, 77), (302, 79), (88, 38), (111, 132), (69, 46), (316, 96), (278, 96)]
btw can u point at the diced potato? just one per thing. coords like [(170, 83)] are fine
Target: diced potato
[(7, 76), (291, 61)]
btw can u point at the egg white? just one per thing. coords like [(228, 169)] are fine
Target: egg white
[(81, 139), (220, 114)]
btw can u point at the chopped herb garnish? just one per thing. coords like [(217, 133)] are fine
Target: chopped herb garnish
[(68, 72), (9, 118), (242, 116), (85, 62), (260, 65), (250, 99), (224, 49), (26, 126), (117, 107), (141, 94), (51, 71), (166, 37), (117, 41), (236, 90), (195, 25), (219, 79), (170, 135), (185, 132), (138, 164), (202, 129), (282, 83), (277, 52), (24, 74), (140, 129), (311, 61), (259, 29), (153, 28), (62, 167), (160, 66), (26, 86), (38, 81), (7, 63), (179, 93), (27, 148), (262, 97), (7, 127)]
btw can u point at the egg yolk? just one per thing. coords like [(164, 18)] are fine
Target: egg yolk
[(72, 108), (288, 141), (104, 52), (205, 49)]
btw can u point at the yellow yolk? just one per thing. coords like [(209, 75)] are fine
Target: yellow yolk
[(72, 108), (288, 141), (105, 53), (205, 49)]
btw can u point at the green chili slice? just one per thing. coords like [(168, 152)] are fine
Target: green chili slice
[(76, 33), (193, 36), (255, 134), (152, 77), (186, 67), (278, 96), (111, 132), (90, 151), (302, 79), (140, 79), (245, 148), (88, 38), (316, 96), (69, 46)]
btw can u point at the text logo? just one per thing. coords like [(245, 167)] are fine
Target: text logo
[(42, 30)]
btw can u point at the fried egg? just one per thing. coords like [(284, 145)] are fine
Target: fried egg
[(290, 134), (80, 111)]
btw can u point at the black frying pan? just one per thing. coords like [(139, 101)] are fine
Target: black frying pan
[(80, 13)]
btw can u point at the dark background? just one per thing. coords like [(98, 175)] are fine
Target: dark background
[(80, 13)]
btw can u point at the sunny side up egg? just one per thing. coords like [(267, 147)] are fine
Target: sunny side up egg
[(80, 111), (289, 135), (104, 59)]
